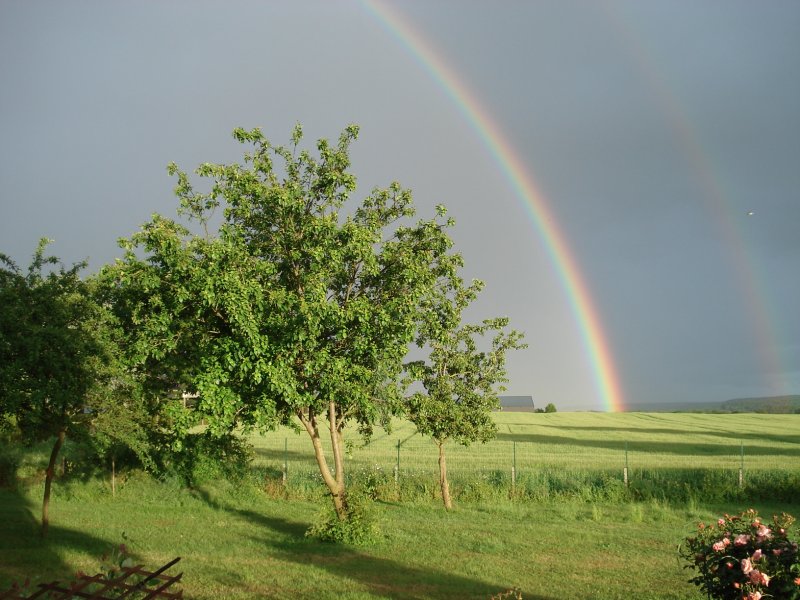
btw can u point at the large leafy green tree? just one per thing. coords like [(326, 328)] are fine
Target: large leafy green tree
[(59, 371), (284, 308), (459, 381)]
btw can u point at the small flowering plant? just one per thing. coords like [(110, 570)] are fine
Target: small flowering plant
[(743, 558), (113, 562)]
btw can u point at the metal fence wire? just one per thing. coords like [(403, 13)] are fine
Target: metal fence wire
[(418, 455)]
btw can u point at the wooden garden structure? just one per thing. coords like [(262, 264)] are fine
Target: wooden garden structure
[(133, 583)]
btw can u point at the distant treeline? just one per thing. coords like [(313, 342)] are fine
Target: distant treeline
[(772, 404), (765, 405)]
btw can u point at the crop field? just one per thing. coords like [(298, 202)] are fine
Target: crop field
[(576, 442), (246, 538)]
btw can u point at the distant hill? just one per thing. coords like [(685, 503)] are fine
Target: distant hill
[(769, 404)]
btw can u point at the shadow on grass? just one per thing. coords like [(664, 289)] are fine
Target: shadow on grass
[(24, 554), (279, 454), (677, 448), (376, 575), (723, 433)]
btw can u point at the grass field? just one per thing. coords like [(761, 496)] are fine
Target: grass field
[(666, 456), (576, 441), (238, 541)]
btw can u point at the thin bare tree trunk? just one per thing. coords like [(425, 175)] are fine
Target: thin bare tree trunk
[(448, 503), (340, 500), (336, 444), (334, 486), (48, 480)]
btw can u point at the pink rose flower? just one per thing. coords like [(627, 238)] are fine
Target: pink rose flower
[(741, 540), (718, 546), (720, 522), (757, 555), (759, 578), (764, 532), (753, 596), (747, 566)]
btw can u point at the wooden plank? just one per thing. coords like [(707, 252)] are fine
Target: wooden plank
[(77, 588)]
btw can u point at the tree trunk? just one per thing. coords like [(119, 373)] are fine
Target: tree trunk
[(48, 480), (335, 483), (448, 503), (336, 444)]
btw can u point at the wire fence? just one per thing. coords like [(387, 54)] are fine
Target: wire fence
[(513, 456)]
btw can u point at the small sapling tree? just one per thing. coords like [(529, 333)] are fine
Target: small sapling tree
[(58, 358), (288, 310), (461, 383)]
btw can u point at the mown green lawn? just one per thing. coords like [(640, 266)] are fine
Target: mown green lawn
[(236, 541), (236, 544)]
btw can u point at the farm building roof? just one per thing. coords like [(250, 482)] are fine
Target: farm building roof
[(516, 402)]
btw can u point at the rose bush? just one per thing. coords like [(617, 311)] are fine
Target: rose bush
[(742, 557)]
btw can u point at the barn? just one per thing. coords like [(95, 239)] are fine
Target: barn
[(516, 403)]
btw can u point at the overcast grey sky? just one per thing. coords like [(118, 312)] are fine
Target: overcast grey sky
[(652, 129)]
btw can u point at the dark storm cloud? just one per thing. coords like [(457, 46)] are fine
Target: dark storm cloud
[(652, 130)]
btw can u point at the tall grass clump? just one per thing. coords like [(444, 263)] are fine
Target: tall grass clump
[(9, 463), (714, 485), (680, 487), (778, 485), (358, 529), (203, 458)]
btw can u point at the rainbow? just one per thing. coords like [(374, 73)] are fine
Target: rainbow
[(566, 267), (729, 221)]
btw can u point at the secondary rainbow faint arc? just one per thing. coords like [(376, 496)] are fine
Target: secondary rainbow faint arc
[(714, 196), (566, 267)]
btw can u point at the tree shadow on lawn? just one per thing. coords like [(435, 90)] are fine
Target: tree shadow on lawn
[(24, 554), (382, 577), (679, 448), (759, 436), (279, 454)]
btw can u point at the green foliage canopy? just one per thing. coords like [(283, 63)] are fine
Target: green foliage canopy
[(460, 382), (58, 359), (60, 373), (287, 308)]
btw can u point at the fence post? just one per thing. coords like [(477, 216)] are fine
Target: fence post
[(397, 465), (741, 466), (625, 470), (513, 465), (285, 460)]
